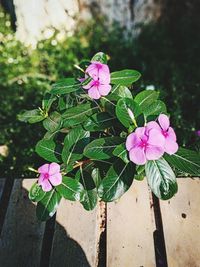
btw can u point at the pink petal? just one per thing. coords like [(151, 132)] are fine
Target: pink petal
[(171, 134), (54, 168), (156, 138), (92, 70), (140, 131), (131, 141), (104, 89), (164, 121), (152, 125), (44, 168), (171, 146), (154, 152), (55, 179), (46, 186), (89, 85), (93, 92), (137, 155), (40, 179), (104, 75)]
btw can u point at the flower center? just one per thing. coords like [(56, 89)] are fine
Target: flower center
[(165, 133), (99, 66), (143, 144), (96, 83), (46, 176)]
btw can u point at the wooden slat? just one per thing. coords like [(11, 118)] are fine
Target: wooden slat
[(21, 239), (130, 227), (76, 236), (2, 183), (181, 222)]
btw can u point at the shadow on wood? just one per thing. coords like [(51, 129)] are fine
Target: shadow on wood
[(23, 241)]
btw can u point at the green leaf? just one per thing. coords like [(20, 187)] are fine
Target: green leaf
[(90, 192), (117, 181), (102, 148), (125, 77), (124, 106), (78, 114), (53, 122), (65, 86), (47, 206), (48, 150), (31, 116), (71, 189), (121, 152), (99, 122), (155, 108), (161, 178), (118, 92), (140, 172), (145, 99), (100, 57), (90, 200), (48, 101), (185, 160), (96, 176), (74, 143), (36, 193)]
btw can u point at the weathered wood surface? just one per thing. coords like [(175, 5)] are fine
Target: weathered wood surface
[(76, 236), (22, 234), (130, 227), (181, 223)]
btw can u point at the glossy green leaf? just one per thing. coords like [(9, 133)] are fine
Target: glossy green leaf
[(155, 108), (78, 114), (125, 77), (161, 178), (100, 57), (71, 189), (185, 160), (90, 199), (53, 122), (118, 92), (121, 152), (47, 206), (48, 150), (145, 99), (102, 148), (99, 122), (65, 86), (74, 143), (140, 173), (31, 116), (90, 192), (117, 181), (47, 101), (36, 193), (123, 109)]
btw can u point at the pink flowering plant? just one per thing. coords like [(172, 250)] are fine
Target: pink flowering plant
[(101, 136)]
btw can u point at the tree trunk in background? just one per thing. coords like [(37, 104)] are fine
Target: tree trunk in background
[(36, 18)]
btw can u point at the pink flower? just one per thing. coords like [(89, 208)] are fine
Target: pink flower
[(100, 71), (145, 144), (198, 133), (170, 145), (96, 89), (49, 175)]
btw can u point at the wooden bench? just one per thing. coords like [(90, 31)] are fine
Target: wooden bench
[(135, 231)]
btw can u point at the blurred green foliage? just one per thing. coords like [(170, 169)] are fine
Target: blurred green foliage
[(164, 53)]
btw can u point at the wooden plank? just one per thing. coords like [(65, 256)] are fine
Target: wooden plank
[(76, 236), (130, 227), (182, 225), (2, 183), (21, 239)]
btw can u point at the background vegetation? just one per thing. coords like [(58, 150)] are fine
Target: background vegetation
[(166, 53)]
